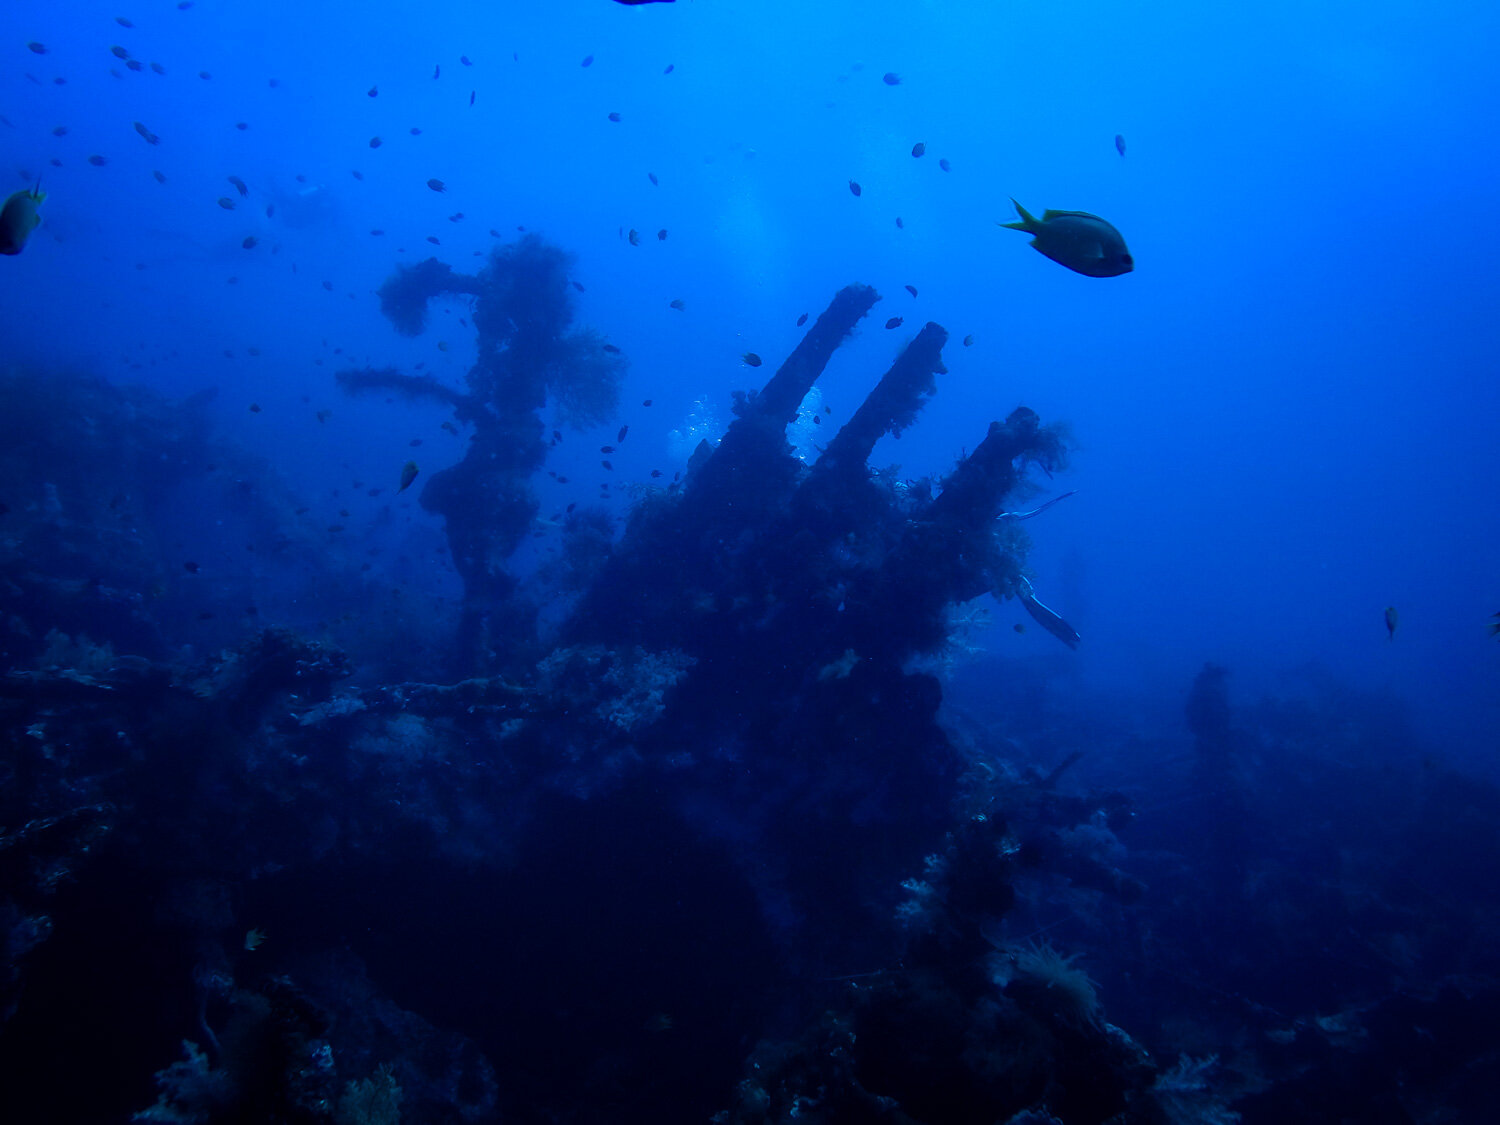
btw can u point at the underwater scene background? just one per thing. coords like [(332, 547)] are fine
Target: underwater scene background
[(556, 564)]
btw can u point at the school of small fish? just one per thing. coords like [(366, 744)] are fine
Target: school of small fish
[(1082, 242)]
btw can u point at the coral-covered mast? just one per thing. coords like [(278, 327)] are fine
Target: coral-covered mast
[(523, 314)]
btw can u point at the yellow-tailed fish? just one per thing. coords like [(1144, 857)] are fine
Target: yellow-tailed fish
[(1084, 243)]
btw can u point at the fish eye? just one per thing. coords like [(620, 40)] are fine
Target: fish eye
[(1127, 260)]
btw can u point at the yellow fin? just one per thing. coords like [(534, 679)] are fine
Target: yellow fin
[(1028, 220)]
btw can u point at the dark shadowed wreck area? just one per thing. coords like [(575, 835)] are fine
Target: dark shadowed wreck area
[(678, 825)]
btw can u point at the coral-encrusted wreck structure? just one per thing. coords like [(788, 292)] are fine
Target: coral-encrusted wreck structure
[(528, 352), (581, 873)]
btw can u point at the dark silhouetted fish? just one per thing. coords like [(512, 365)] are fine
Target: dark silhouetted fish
[(1082, 242)]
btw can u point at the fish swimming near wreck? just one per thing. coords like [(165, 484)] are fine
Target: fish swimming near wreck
[(1083, 242), (1046, 618), (19, 217)]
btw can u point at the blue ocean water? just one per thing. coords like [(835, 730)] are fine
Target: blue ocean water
[(1281, 423)]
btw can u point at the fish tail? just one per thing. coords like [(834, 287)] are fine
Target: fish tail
[(1028, 220)]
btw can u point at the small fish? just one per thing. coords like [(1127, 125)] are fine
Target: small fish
[(891, 79), (677, 303), (123, 22), (432, 238), (146, 134), (191, 567), (912, 289), (619, 437), (918, 149), (408, 474), (670, 66), (450, 427), (465, 60), (944, 165), (1082, 242), (1391, 617), (249, 242), (157, 68), (377, 232), (611, 349), (242, 125), (324, 415), (437, 69), (270, 210), (255, 408), (374, 142), (414, 131), (471, 96), (254, 939), (588, 60), (894, 322), (357, 174), (647, 402), (1119, 144), (615, 117), (59, 130), (98, 161), (606, 449), (19, 217), (119, 52), (437, 185), (661, 235), (801, 320), (969, 340), (899, 224), (36, 48), (239, 185), (226, 203), (751, 359), (855, 188), (207, 77), (652, 177), (1018, 627), (373, 92), (635, 237)]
